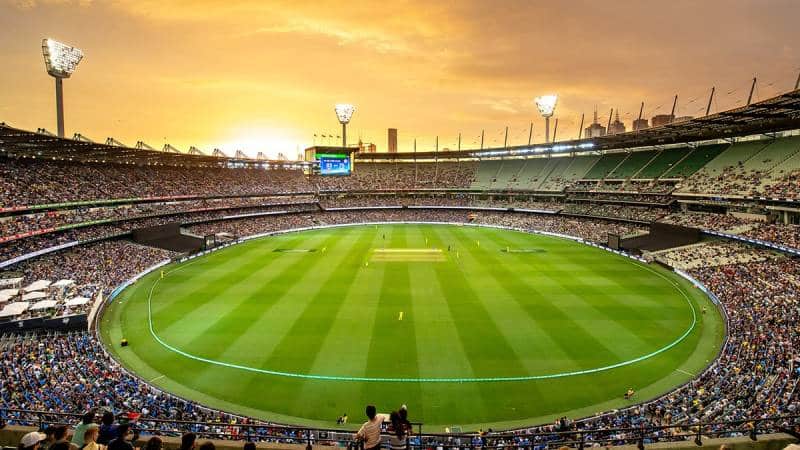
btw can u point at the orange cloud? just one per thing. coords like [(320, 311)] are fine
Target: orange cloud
[(266, 73)]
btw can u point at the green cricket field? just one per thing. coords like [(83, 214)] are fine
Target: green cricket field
[(468, 326)]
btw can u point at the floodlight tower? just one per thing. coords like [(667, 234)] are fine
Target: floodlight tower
[(547, 106), (344, 111), (60, 60)]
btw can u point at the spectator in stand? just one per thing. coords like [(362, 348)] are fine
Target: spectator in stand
[(31, 441), (86, 421), (123, 439), (188, 441), (207, 445), (154, 443), (370, 431), (92, 431), (108, 430), (398, 432), (60, 436)]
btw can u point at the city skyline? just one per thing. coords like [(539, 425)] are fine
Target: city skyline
[(264, 76)]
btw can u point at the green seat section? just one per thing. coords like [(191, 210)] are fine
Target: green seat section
[(699, 157), (662, 163), (632, 165), (606, 164)]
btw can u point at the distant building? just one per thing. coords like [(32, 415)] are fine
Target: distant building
[(365, 147), (661, 120), (595, 129), (392, 147), (640, 124), (616, 126)]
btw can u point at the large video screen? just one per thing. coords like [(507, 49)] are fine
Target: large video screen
[(333, 164)]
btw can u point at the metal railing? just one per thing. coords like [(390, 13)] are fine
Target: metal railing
[(534, 439)]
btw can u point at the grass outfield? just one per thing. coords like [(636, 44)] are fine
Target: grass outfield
[(339, 311)]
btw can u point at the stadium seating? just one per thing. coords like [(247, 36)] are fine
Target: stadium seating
[(635, 162), (754, 375), (28, 182), (404, 176), (605, 166), (694, 160), (742, 168), (589, 196), (663, 162)]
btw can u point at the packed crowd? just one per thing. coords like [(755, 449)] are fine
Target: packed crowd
[(393, 176), (145, 215), (28, 223), (732, 181), (73, 373), (787, 186), (589, 229), (30, 244), (628, 212), (449, 199), (712, 254), (787, 235), (659, 188), (104, 264), (26, 182), (95, 268), (782, 234), (650, 199), (705, 221)]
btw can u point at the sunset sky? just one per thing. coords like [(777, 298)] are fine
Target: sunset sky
[(264, 75)]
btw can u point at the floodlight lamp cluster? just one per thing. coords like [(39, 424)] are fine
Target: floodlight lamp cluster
[(59, 58), (546, 104), (344, 111)]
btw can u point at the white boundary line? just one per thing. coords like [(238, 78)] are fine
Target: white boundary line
[(425, 380)]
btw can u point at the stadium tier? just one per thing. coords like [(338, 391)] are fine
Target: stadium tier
[(75, 235), (754, 376)]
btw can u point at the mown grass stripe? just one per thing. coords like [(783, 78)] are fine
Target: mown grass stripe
[(479, 334), (302, 343), (216, 339), (619, 317), (393, 346), (587, 346), (440, 352), (212, 284), (532, 339)]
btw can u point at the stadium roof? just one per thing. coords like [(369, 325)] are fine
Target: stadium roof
[(20, 143), (776, 114), (769, 116)]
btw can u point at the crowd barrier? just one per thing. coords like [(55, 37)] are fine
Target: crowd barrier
[(531, 439)]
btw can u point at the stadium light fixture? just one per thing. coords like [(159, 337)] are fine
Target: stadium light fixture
[(61, 60), (344, 112), (546, 104)]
